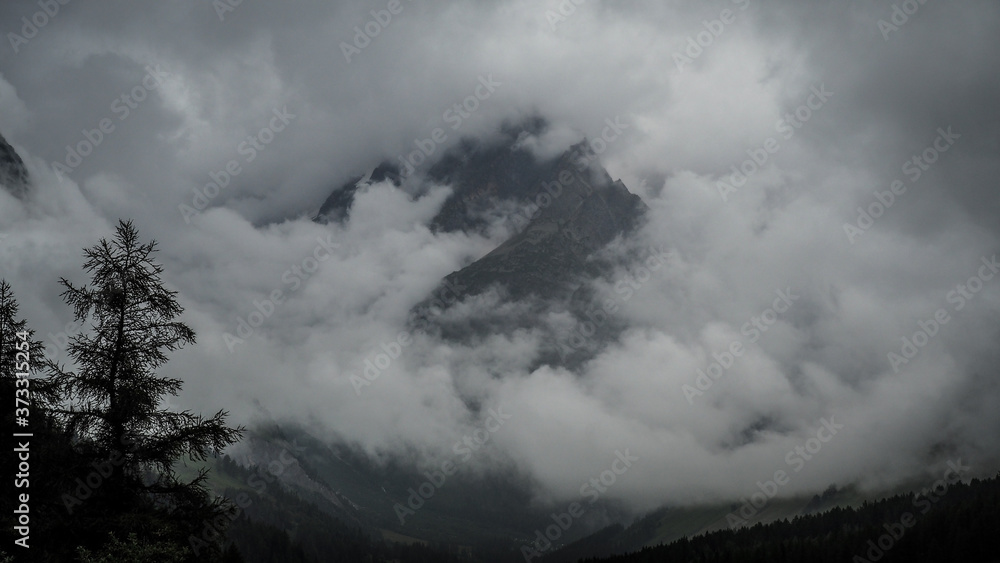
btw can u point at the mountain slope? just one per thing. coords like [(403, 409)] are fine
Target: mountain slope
[(276, 523), (559, 214), (480, 513), (13, 174)]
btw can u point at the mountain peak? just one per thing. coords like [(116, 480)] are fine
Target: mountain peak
[(13, 173), (558, 213)]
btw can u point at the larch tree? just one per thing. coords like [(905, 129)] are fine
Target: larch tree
[(112, 401)]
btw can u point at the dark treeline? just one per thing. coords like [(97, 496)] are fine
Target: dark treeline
[(958, 524)]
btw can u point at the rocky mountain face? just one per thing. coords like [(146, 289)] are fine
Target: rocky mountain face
[(560, 220), (13, 174), (337, 207), (558, 213)]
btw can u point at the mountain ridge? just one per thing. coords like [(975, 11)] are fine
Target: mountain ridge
[(13, 173), (558, 215)]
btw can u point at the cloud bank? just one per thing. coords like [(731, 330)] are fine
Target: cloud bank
[(843, 158)]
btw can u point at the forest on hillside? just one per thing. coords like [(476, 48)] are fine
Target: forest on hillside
[(958, 524)]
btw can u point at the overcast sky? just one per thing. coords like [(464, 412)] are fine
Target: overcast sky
[(837, 102)]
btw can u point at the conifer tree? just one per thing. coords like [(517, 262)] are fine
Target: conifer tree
[(11, 329), (28, 397), (113, 401)]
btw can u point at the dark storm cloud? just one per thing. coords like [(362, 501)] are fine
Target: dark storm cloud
[(739, 91)]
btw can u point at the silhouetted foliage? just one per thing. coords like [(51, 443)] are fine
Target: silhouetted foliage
[(960, 525), (103, 451), (50, 456)]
